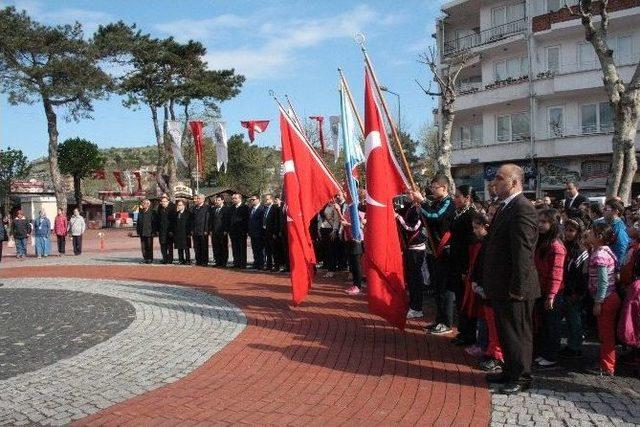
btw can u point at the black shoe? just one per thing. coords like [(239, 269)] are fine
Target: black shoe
[(495, 378), (430, 327), (567, 353), (459, 341), (514, 388)]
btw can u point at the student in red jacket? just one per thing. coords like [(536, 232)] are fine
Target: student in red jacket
[(549, 258)]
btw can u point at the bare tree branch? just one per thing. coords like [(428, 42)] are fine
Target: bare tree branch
[(634, 84), (604, 23), (428, 92)]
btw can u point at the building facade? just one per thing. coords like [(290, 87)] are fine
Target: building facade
[(532, 92)]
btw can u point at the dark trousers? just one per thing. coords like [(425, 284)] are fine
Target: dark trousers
[(257, 247), (201, 248), (415, 280), (324, 249), (466, 326), (146, 244), (547, 338), (445, 299), (280, 255), (62, 242), (1, 250), (239, 249), (354, 254), (270, 252), (515, 332), (77, 244), (220, 246), (166, 249), (184, 255)]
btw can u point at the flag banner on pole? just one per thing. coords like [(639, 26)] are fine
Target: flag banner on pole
[(174, 129), (308, 186), (198, 144), (352, 158), (118, 176), (383, 256), (320, 120), (222, 148), (138, 176), (255, 126), (334, 126)]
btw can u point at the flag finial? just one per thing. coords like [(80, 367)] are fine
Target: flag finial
[(360, 39)]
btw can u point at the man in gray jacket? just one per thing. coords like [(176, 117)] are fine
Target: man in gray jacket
[(77, 228)]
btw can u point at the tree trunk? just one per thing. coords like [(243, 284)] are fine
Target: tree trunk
[(170, 161), (624, 164), (443, 154), (160, 143), (56, 177), (77, 189)]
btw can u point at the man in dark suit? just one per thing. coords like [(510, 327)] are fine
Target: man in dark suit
[(271, 226), (282, 241), (166, 227), (573, 200), (510, 277), (256, 232), (238, 228), (200, 231), (146, 227), (220, 231)]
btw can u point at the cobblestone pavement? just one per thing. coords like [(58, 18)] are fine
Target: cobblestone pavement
[(327, 362), (42, 326), (568, 396), (175, 330)]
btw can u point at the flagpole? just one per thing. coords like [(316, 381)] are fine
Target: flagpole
[(295, 115), (394, 131), (350, 98)]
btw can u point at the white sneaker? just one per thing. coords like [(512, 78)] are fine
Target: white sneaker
[(546, 363), (329, 274), (414, 314), (538, 359)]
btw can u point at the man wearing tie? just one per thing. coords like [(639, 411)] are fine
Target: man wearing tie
[(256, 232), (271, 227), (573, 200), (511, 279), (220, 231), (238, 228), (200, 221)]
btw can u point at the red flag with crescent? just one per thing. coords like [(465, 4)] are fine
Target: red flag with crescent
[(308, 186), (255, 126), (385, 180), (118, 176), (198, 144)]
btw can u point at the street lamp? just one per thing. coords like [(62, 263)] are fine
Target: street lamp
[(386, 89)]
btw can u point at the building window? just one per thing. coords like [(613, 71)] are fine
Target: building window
[(586, 56), (505, 14), (555, 5), (512, 67), (596, 118), (556, 121), (513, 127), (471, 136), (553, 59), (622, 49)]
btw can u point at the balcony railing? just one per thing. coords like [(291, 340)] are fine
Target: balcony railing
[(487, 36), (575, 131), (463, 144), (590, 65)]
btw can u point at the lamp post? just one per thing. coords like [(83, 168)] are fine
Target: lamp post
[(386, 89)]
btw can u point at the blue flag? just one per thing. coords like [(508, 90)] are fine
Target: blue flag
[(353, 156)]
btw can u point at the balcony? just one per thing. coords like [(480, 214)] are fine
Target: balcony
[(484, 37)]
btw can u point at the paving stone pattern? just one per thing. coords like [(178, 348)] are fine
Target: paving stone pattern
[(176, 329), (42, 326)]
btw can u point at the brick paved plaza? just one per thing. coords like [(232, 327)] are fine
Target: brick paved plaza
[(99, 340)]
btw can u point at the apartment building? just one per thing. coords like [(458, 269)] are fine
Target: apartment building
[(532, 91)]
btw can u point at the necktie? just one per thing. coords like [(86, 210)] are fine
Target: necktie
[(495, 217)]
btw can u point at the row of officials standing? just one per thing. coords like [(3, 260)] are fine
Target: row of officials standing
[(181, 227)]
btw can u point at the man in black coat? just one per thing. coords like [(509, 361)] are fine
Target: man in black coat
[(256, 232), (510, 277), (238, 229), (220, 231), (573, 200), (200, 230), (146, 227), (166, 229), (282, 244), (271, 226), (182, 233)]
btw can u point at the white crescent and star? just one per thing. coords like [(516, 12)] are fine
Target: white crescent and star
[(371, 143)]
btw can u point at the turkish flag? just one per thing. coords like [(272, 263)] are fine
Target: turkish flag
[(99, 174), (118, 176), (198, 144), (383, 256), (308, 186), (255, 126)]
